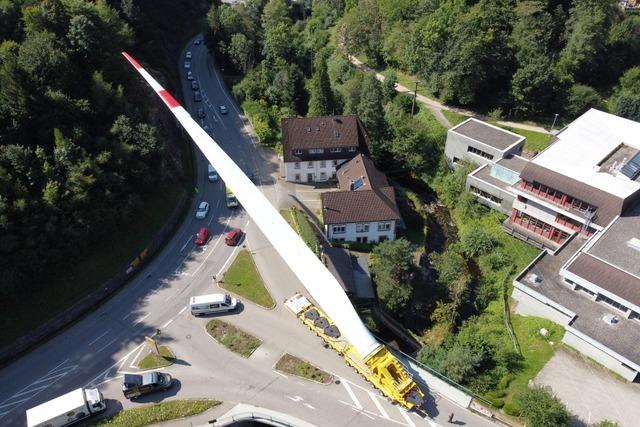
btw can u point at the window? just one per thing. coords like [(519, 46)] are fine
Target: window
[(298, 151), (323, 176), (384, 226), (362, 228), (338, 229), (323, 164), (484, 195), (612, 303), (362, 239), (309, 165), (335, 150), (352, 149), (297, 177), (480, 153), (296, 165), (316, 151)]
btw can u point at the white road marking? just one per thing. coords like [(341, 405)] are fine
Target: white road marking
[(132, 364), (186, 243), (125, 317), (362, 412), (295, 398), (119, 363), (107, 345), (368, 413), (351, 393), (140, 320), (309, 406), (182, 311), (101, 335), (167, 323), (281, 374), (224, 266), (378, 405), (405, 416), (226, 225)]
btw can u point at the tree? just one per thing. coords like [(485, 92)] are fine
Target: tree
[(628, 105), (370, 108), (241, 52), (389, 86), (321, 95), (476, 242), (542, 409), (581, 98), (275, 13), (392, 270)]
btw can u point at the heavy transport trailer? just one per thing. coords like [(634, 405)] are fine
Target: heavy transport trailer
[(380, 368), (67, 409)]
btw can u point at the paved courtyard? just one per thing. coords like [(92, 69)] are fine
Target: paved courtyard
[(589, 391)]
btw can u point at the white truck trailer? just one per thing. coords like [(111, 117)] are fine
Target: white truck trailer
[(67, 409)]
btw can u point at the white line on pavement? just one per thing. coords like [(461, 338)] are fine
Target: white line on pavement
[(167, 323), (405, 416), (140, 320), (362, 412), (101, 335), (132, 364), (107, 345), (186, 243), (281, 374), (378, 405), (31, 390), (226, 225), (14, 404), (295, 398), (182, 311), (309, 406), (224, 266), (125, 317), (104, 373), (351, 393)]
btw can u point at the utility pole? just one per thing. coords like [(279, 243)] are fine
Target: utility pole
[(415, 95), (554, 122)]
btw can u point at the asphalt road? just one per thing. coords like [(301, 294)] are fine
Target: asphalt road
[(100, 348)]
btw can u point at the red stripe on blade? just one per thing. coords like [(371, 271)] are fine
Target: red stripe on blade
[(131, 60), (168, 99)]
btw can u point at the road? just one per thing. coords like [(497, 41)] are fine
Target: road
[(101, 347)]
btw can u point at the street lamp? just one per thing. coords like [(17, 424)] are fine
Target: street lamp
[(554, 123)]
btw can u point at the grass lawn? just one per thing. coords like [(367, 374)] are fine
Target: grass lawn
[(300, 223), (453, 117), (242, 278), (158, 412), (101, 261), (153, 360), (535, 142), (292, 365), (233, 338)]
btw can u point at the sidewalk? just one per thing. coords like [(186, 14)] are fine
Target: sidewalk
[(436, 106)]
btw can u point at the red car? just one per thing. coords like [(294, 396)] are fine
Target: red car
[(233, 237), (202, 237)]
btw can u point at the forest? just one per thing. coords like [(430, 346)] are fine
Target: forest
[(82, 142)]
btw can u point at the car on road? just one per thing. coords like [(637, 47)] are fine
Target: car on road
[(188, 55), (212, 303), (194, 85), (223, 109), (189, 75), (196, 96), (203, 210), (202, 236), (134, 386), (212, 173), (207, 129), (233, 237), (201, 113), (187, 64), (197, 42)]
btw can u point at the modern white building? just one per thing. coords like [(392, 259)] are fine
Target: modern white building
[(365, 210), (313, 147)]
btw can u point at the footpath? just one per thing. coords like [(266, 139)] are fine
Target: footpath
[(436, 106)]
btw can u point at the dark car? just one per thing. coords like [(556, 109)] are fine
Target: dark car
[(201, 113), (202, 236), (233, 237), (196, 96), (194, 85), (134, 386)]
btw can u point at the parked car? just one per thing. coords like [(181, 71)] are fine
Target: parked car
[(196, 96), (194, 85), (201, 113), (187, 64), (212, 173), (188, 55), (134, 386), (202, 236), (197, 42), (212, 303), (189, 75), (223, 109), (233, 237), (203, 210)]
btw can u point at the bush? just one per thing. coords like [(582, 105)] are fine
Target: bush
[(542, 409), (512, 408), (581, 98), (477, 242), (494, 399), (504, 381)]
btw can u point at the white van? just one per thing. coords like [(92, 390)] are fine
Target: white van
[(212, 303), (212, 174)]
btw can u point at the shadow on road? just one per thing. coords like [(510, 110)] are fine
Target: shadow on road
[(160, 396)]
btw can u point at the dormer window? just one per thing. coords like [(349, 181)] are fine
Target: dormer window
[(316, 151), (352, 149), (297, 152), (336, 150)]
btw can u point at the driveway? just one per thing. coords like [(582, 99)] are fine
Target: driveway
[(589, 391)]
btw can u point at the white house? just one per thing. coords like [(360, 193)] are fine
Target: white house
[(366, 210), (313, 147)]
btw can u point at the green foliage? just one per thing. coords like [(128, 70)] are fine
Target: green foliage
[(581, 98), (542, 409), (477, 242), (628, 106), (264, 120), (370, 108), (243, 278), (392, 270), (158, 413), (606, 423), (320, 93), (512, 408)]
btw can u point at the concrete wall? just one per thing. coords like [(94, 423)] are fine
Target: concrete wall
[(350, 234), (314, 167), (530, 304), (457, 146), (590, 348), (507, 197)]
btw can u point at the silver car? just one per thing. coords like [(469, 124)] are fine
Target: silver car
[(203, 210)]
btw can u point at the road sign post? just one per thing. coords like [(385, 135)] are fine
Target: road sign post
[(153, 343)]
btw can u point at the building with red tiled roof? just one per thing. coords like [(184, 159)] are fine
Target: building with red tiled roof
[(314, 146), (365, 210)]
